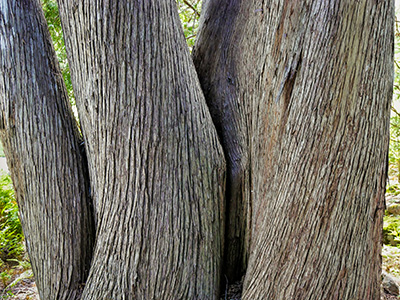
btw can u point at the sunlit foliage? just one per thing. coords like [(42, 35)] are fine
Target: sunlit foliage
[(394, 151), (189, 12), (50, 9)]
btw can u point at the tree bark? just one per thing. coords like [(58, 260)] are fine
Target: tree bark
[(311, 82), (300, 94), (217, 62), (41, 143), (156, 167)]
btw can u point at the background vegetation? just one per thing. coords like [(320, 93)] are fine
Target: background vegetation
[(394, 150), (391, 226), (189, 12)]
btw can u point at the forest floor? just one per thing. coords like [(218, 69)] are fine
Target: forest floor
[(387, 296), (20, 285), (17, 282), (234, 292), (25, 289)]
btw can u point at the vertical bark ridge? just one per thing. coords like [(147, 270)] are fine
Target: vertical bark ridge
[(156, 166), (41, 142), (325, 242)]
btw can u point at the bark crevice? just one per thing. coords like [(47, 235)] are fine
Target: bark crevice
[(216, 64)]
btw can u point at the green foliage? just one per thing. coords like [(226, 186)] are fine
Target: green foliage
[(11, 277), (11, 236), (7, 295), (189, 12), (50, 9), (23, 264), (5, 277), (391, 231), (393, 189), (394, 149)]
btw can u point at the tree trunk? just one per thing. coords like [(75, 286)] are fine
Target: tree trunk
[(41, 143), (156, 167), (217, 62), (300, 94), (316, 79)]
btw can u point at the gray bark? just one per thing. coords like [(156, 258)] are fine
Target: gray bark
[(156, 166), (316, 79), (217, 62), (41, 143), (300, 94)]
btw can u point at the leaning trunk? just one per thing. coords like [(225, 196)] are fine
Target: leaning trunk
[(217, 62), (315, 79), (156, 167), (41, 143)]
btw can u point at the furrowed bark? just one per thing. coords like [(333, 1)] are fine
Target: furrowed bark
[(326, 174), (217, 61), (316, 79), (41, 143), (156, 167)]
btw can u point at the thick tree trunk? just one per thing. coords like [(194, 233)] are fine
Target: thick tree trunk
[(156, 167), (41, 142), (316, 79), (300, 93)]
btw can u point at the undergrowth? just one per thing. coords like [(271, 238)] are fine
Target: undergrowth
[(11, 236)]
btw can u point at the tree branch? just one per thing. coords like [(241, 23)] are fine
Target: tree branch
[(192, 7), (395, 111)]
